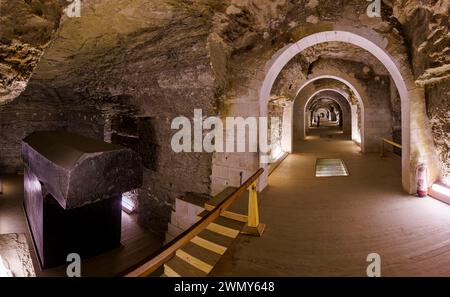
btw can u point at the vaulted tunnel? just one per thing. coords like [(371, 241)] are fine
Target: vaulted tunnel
[(342, 86)]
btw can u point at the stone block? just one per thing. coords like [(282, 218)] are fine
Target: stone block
[(88, 231), (77, 170), (73, 193)]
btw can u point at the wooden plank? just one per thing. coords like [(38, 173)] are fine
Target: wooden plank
[(224, 226), (213, 241), (169, 272), (178, 267), (152, 263), (237, 211), (198, 256)]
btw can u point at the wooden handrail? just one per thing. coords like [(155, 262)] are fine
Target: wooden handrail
[(383, 140), (392, 143), (274, 165), (154, 261)]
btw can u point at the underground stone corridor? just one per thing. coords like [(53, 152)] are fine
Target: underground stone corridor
[(179, 138), (326, 226)]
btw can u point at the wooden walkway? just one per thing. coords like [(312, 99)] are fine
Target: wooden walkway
[(327, 226)]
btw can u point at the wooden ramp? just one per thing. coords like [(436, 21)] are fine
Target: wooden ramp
[(197, 250), (201, 254)]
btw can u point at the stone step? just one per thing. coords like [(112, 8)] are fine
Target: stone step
[(225, 226), (182, 221), (213, 241), (189, 205), (185, 215), (177, 267), (199, 257), (237, 211)]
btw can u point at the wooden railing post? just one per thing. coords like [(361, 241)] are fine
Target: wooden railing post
[(383, 140), (158, 258), (253, 227)]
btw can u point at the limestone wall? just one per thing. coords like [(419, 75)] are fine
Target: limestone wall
[(31, 112), (426, 28), (438, 107)]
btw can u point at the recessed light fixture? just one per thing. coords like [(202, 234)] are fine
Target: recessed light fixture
[(330, 167), (128, 205), (440, 192)]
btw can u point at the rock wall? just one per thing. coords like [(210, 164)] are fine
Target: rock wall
[(438, 106), (125, 69), (426, 28), (122, 72), (26, 29), (32, 111)]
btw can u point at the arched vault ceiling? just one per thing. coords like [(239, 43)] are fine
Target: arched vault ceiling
[(326, 98), (232, 29), (346, 52), (348, 57)]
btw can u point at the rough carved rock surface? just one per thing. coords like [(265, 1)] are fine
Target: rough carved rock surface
[(152, 61), (16, 254), (26, 27), (438, 101), (88, 170), (426, 26)]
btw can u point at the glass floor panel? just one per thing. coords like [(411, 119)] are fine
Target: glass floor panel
[(330, 167)]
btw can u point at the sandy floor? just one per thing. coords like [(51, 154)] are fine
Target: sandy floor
[(327, 226)]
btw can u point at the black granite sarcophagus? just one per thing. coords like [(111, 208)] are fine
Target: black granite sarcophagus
[(73, 191)]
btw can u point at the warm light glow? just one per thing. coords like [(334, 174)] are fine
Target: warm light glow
[(441, 190), (127, 204), (277, 152), (4, 271), (446, 180), (330, 167), (357, 137)]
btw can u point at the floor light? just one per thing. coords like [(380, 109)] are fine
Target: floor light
[(128, 204), (440, 192)]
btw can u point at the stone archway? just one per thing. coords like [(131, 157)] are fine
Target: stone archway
[(341, 101), (289, 122), (416, 135), (305, 92)]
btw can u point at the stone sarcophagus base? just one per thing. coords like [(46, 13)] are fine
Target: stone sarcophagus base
[(87, 231), (73, 203)]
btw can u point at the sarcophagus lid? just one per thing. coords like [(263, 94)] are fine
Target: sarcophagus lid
[(78, 170)]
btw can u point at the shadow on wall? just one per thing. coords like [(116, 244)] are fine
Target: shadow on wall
[(137, 133)]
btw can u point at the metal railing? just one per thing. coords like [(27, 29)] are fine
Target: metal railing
[(157, 259), (383, 141)]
